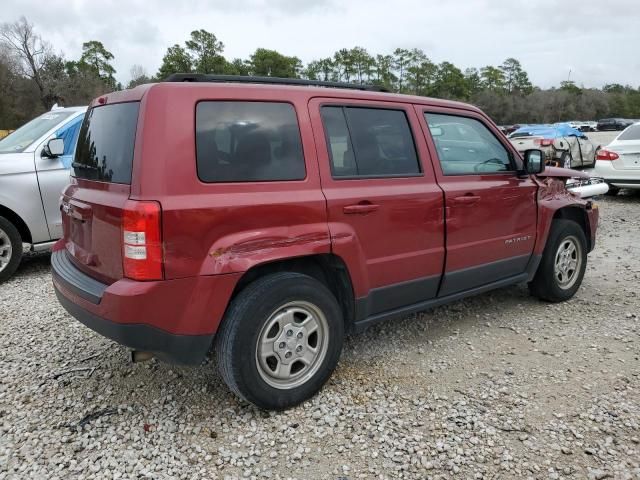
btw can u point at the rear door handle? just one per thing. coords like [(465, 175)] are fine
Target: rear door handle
[(466, 199), (360, 209)]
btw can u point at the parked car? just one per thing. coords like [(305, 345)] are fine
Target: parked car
[(270, 217), (619, 162), (613, 124), (563, 146), (583, 126), (34, 168)]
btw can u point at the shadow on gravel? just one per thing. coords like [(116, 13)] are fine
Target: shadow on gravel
[(33, 263)]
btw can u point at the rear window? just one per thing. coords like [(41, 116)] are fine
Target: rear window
[(631, 133), (105, 144), (248, 142)]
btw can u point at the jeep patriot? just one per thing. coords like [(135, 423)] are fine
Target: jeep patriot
[(264, 219)]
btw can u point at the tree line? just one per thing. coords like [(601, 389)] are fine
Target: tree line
[(33, 78)]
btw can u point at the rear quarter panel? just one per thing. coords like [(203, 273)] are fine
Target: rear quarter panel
[(216, 228)]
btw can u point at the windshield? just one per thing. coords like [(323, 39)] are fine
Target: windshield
[(19, 140)]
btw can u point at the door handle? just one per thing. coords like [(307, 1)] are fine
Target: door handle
[(466, 199), (360, 209)]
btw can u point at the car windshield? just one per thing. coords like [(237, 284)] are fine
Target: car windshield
[(19, 140), (631, 133)]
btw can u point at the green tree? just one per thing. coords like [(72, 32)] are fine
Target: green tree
[(176, 60), (271, 63), (515, 78), (344, 65), (401, 61), (492, 78), (384, 75), (97, 58), (237, 67), (363, 64), (571, 87), (474, 81), (421, 73), (206, 52), (450, 82)]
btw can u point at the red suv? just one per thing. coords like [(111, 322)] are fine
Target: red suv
[(267, 218)]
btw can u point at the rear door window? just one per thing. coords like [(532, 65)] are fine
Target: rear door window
[(466, 146), (248, 142), (105, 143), (369, 142)]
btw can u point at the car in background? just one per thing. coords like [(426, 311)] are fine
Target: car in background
[(619, 162), (613, 124), (583, 126), (562, 145), (34, 168)]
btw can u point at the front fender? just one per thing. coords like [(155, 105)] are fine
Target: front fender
[(553, 197)]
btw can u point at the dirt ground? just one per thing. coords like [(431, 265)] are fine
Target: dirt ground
[(498, 386)]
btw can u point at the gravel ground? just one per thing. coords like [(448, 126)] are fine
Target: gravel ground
[(498, 386)]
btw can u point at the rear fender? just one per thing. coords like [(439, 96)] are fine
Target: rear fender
[(244, 250)]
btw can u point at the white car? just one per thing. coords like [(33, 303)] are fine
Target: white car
[(619, 162)]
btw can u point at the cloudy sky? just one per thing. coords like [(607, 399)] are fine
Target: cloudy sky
[(597, 40)]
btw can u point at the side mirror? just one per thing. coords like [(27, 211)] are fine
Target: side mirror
[(54, 148), (534, 161)]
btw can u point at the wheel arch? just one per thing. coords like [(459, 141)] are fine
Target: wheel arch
[(328, 268), (578, 214), (18, 222)]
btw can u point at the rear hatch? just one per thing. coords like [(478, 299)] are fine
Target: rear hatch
[(94, 204)]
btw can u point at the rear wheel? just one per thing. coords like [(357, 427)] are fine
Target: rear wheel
[(10, 249), (280, 340), (565, 160), (563, 263)]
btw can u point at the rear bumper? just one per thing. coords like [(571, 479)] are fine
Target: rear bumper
[(174, 319), (623, 178)]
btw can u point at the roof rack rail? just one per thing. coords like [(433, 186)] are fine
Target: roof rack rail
[(202, 77)]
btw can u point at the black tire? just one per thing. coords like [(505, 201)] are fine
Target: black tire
[(563, 159), (546, 285), (244, 324), (15, 240), (613, 191)]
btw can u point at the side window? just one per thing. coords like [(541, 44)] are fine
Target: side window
[(466, 146), (369, 142), (69, 135), (248, 142)]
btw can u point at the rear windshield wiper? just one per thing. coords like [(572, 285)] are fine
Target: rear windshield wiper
[(83, 166)]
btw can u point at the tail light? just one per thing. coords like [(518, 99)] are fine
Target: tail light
[(543, 142), (607, 155), (142, 241)]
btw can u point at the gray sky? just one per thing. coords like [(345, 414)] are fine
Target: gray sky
[(598, 40)]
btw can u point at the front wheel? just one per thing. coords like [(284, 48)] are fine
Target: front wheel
[(10, 249), (280, 340), (563, 263)]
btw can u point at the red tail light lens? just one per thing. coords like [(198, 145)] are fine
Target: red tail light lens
[(607, 155), (142, 241), (544, 142)]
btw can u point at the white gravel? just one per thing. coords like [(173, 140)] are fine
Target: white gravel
[(498, 386)]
